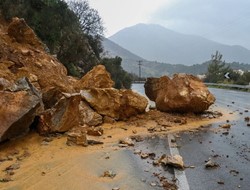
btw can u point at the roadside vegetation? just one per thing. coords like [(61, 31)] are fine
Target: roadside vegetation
[(72, 31), (219, 72)]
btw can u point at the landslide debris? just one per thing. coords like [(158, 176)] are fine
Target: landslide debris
[(183, 93), (35, 90)]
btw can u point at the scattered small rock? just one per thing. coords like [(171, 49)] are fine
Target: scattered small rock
[(137, 138), (156, 162), (14, 166), (94, 142), (3, 159), (220, 182), (144, 155), (225, 126), (95, 131), (173, 140), (14, 152), (211, 164), (127, 141), (25, 154), (247, 119), (43, 173), (225, 133), (47, 139), (153, 184), (234, 172), (122, 145), (10, 172), (134, 131), (109, 173), (5, 179), (137, 151), (44, 143), (77, 137), (176, 161)]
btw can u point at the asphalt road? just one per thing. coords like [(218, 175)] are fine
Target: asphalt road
[(229, 148)]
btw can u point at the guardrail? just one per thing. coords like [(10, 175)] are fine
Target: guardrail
[(229, 85), (139, 81)]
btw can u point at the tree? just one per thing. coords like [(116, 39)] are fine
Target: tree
[(216, 69), (121, 78), (244, 79), (73, 36), (90, 21)]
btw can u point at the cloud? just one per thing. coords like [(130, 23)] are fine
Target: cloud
[(227, 21)]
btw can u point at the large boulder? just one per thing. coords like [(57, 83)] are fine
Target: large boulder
[(23, 55), (20, 103), (118, 104), (98, 77), (63, 116), (182, 93)]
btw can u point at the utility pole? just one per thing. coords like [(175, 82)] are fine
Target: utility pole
[(140, 64)]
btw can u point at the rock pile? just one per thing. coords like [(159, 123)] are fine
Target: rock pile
[(35, 90), (182, 93)]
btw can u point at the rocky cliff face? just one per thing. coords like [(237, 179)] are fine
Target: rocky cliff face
[(35, 84)]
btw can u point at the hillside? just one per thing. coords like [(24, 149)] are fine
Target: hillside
[(129, 60), (156, 43), (153, 68)]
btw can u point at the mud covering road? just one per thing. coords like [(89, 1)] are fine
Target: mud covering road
[(35, 162)]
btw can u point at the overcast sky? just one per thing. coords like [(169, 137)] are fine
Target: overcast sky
[(225, 21)]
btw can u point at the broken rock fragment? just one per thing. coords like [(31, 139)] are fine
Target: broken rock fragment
[(95, 131), (127, 141), (225, 126), (62, 117), (109, 173), (18, 109), (211, 164), (176, 161), (117, 104), (88, 116), (77, 137), (98, 77)]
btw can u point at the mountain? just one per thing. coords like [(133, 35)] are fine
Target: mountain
[(129, 60), (156, 43), (153, 68)]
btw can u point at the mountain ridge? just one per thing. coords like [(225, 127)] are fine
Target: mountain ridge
[(156, 69), (157, 43)]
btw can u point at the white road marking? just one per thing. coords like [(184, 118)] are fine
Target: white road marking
[(182, 182)]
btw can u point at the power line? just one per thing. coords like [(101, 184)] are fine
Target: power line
[(139, 64)]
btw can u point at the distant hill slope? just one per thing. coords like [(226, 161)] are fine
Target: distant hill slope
[(156, 43), (129, 60), (156, 69)]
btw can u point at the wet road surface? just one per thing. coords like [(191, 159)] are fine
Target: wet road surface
[(229, 148)]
